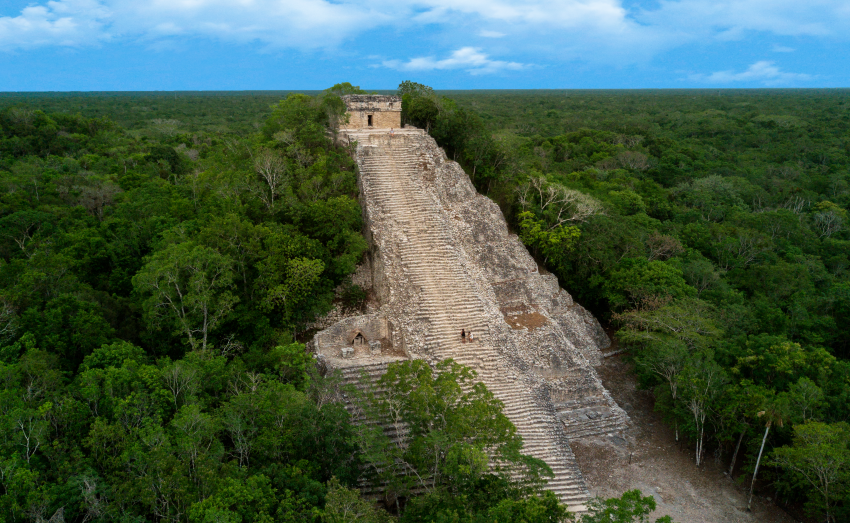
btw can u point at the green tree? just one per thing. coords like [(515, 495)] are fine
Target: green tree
[(772, 414), (113, 355), (414, 88), (454, 432), (344, 88), (554, 243), (304, 118), (639, 281), (345, 505), (702, 383), (187, 286), (290, 286), (194, 435), (690, 324), (803, 400), (829, 218), (714, 196), (819, 455), (544, 508), (241, 241), (778, 363), (252, 500), (333, 105), (419, 104), (22, 231), (71, 326), (293, 364), (665, 361), (271, 422), (631, 507), (420, 110)]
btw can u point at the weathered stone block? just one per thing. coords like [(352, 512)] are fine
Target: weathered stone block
[(372, 111)]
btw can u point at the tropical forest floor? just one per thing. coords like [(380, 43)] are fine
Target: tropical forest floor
[(662, 467)]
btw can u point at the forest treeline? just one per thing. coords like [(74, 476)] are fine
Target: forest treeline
[(154, 113), (710, 229), (155, 285)]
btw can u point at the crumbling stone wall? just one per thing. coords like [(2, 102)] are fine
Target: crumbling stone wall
[(442, 259), (357, 337), (543, 330)]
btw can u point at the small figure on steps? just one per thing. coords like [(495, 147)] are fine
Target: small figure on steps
[(463, 335), (470, 337)]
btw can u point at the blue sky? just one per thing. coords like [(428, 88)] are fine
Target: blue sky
[(92, 45)]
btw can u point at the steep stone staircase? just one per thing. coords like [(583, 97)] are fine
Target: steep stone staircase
[(449, 302)]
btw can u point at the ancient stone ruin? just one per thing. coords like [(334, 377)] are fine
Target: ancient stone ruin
[(370, 111), (441, 260)]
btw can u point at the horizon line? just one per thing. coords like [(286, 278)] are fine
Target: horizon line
[(436, 90)]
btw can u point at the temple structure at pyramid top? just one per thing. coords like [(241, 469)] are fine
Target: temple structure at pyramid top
[(372, 111)]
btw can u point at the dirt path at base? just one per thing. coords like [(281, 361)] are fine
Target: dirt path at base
[(659, 467)]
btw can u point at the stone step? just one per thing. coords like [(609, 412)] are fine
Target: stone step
[(390, 177)]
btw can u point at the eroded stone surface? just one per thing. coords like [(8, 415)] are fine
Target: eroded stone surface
[(442, 259), (372, 111)]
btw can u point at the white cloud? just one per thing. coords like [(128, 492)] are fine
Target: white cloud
[(541, 13), (783, 49), (470, 59), (277, 23), (764, 72), (551, 30), (732, 19), (63, 23)]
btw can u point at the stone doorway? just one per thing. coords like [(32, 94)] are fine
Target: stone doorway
[(369, 120), (358, 339)]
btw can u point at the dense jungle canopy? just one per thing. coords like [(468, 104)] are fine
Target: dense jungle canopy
[(162, 256), (709, 229)]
